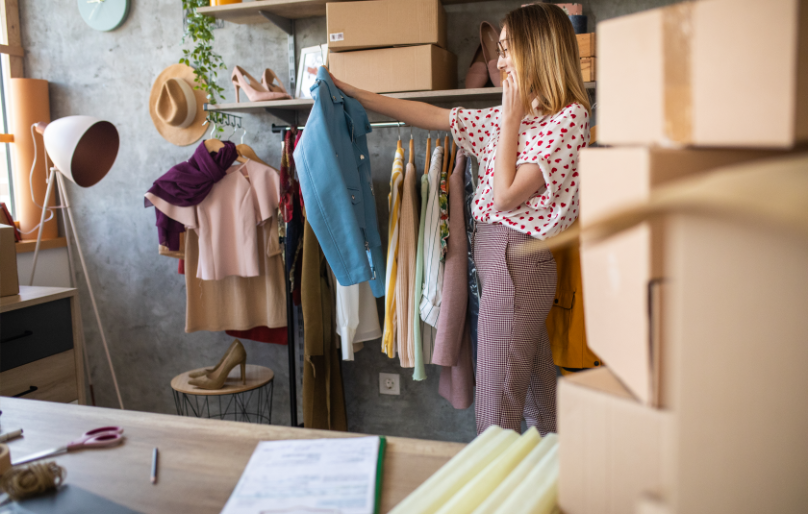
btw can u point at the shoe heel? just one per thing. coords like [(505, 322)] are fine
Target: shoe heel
[(244, 373), (237, 90)]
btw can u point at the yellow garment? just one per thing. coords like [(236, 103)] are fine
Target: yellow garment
[(394, 207), (565, 323)]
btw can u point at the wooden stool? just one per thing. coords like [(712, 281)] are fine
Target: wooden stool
[(193, 401)]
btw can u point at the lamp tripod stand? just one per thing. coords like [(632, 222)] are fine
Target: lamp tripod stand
[(56, 176)]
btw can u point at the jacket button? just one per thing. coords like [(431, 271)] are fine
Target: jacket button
[(333, 97), (362, 157), (556, 300), (597, 363), (353, 197)]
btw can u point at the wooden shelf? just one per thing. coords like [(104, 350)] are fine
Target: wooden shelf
[(304, 104), (247, 13)]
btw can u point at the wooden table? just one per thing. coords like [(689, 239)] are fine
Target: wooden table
[(201, 460)]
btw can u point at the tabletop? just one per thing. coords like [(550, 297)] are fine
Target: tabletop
[(201, 460)]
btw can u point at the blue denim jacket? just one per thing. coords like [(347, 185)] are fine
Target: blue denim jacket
[(333, 166)]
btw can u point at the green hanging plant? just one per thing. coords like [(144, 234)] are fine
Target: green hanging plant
[(206, 63)]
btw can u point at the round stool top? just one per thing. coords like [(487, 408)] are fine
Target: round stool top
[(257, 376)]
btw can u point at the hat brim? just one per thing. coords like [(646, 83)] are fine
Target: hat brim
[(176, 135)]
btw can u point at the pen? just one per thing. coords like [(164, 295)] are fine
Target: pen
[(154, 467), (8, 436)]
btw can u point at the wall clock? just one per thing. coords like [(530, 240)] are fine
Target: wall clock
[(104, 14)]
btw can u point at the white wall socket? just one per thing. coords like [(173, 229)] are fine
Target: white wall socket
[(389, 383)]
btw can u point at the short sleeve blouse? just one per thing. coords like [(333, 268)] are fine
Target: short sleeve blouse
[(552, 142)]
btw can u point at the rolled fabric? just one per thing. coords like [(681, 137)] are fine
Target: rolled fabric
[(538, 492), (528, 464), (447, 481), (482, 485)]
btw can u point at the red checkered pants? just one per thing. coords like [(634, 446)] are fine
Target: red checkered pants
[(516, 376)]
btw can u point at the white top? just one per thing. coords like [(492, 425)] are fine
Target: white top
[(227, 220), (552, 142), (433, 267), (357, 316)]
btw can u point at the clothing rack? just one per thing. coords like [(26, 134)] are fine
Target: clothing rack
[(279, 129)]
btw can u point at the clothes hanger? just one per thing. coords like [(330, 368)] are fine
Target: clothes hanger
[(445, 154), (214, 145), (248, 152), (398, 147), (412, 147), (450, 169), (428, 151)]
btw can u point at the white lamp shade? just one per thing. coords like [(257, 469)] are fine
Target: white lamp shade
[(83, 148)]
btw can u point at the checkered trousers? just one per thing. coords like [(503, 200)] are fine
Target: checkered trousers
[(515, 372)]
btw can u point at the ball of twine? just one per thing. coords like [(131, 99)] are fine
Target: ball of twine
[(31, 480)]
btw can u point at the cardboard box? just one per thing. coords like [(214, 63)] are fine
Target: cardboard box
[(9, 282), (389, 70), (737, 352), (586, 44), (383, 23), (702, 79), (588, 68), (612, 449), (623, 277)]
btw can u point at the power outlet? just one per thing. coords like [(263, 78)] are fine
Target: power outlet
[(389, 383)]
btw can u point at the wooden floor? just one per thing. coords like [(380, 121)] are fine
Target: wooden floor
[(201, 460)]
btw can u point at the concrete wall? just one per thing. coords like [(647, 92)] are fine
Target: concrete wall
[(140, 294)]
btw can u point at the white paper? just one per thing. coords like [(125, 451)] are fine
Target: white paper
[(323, 476)]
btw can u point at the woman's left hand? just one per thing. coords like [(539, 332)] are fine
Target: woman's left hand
[(512, 108)]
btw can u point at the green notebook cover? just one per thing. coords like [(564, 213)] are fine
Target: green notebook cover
[(379, 474)]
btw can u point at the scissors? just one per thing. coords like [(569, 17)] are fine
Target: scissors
[(97, 438)]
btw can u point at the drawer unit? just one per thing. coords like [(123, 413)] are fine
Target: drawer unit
[(42, 345), (33, 333), (52, 378)]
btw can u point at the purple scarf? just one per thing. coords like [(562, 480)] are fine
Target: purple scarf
[(187, 184)]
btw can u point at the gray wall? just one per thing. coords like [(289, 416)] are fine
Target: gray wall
[(140, 294)]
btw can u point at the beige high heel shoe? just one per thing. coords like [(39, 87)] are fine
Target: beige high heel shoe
[(255, 91), (217, 378), (272, 83), (201, 372)]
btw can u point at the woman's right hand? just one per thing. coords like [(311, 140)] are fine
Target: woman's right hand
[(344, 87)]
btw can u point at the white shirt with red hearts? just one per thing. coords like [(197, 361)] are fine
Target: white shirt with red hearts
[(552, 142)]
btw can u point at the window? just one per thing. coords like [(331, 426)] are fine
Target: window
[(6, 180)]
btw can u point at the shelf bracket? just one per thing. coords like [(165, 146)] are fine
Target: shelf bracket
[(285, 115), (287, 25)]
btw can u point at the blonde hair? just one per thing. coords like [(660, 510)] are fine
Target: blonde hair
[(544, 50)]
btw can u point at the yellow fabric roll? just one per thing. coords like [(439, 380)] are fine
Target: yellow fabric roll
[(444, 484), (528, 464), (538, 492), (482, 485)]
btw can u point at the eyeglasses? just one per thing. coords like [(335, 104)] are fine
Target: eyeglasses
[(501, 50)]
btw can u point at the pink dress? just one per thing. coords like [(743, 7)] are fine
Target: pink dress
[(227, 221)]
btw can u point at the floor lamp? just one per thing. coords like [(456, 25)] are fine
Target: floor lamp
[(83, 150)]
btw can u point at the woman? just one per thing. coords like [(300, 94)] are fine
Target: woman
[(527, 192)]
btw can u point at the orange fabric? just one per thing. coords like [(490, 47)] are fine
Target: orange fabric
[(565, 323)]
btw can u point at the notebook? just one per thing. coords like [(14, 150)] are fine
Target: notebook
[(322, 476)]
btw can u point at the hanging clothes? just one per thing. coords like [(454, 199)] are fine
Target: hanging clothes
[(187, 184), (323, 395), (288, 184), (227, 219), (430, 299), (262, 334), (407, 256), (417, 349), (394, 208), (357, 317), (474, 293), (443, 203), (565, 323), (236, 303), (333, 165), (294, 222), (453, 344)]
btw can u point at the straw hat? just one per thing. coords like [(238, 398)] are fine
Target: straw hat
[(176, 108)]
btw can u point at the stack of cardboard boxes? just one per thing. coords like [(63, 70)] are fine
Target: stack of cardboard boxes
[(586, 49), (387, 46), (702, 322)]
